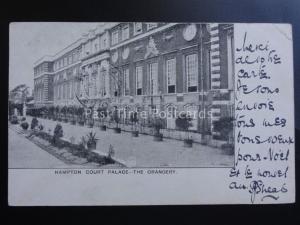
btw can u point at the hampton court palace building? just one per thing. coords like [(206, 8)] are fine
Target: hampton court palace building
[(144, 66)]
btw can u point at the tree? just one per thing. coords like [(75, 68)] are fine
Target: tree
[(134, 119), (19, 94), (116, 117), (57, 134), (102, 113), (225, 127), (18, 97), (183, 122)]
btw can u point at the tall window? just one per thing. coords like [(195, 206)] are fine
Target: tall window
[(230, 61), (68, 91), (137, 28), (115, 37), (139, 79), (126, 81), (94, 85), (77, 55), (191, 67), (208, 70), (60, 91), (64, 91), (96, 47), (171, 75), (72, 89), (65, 61), (151, 26), (103, 82), (125, 32), (57, 92), (153, 76), (103, 41), (74, 57)]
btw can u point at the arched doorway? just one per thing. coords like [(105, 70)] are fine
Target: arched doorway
[(171, 116), (192, 111)]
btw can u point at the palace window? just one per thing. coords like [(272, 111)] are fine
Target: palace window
[(94, 85), (115, 37), (126, 81), (73, 57), (72, 89), (64, 91), (125, 32), (153, 76), (65, 61), (151, 26), (103, 82), (230, 61), (171, 75), (68, 91), (70, 59), (77, 56), (137, 28), (103, 41), (61, 91), (192, 112), (96, 47), (207, 66), (191, 67), (139, 79)]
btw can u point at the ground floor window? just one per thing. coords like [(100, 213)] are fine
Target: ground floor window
[(139, 80), (126, 81), (171, 117), (153, 76), (171, 75), (191, 68), (103, 82), (192, 112)]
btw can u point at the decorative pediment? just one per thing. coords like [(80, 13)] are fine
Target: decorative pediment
[(115, 57), (138, 48), (151, 49), (125, 53), (168, 37)]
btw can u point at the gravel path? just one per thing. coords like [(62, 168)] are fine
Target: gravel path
[(143, 151)]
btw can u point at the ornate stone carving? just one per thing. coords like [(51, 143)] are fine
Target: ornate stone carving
[(138, 48), (190, 31), (125, 53), (151, 48), (115, 57)]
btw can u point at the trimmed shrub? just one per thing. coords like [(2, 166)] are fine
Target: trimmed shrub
[(14, 120), (41, 127), (44, 135), (24, 125), (228, 148), (57, 134), (34, 123), (91, 140), (225, 126)]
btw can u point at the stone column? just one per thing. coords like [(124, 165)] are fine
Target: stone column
[(215, 71), (24, 109)]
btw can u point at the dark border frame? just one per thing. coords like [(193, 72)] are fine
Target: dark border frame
[(268, 11)]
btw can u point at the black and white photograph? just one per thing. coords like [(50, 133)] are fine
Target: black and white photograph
[(121, 95)]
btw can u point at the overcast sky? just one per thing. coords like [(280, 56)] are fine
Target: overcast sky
[(30, 41)]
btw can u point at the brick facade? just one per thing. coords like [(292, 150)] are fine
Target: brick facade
[(186, 67)]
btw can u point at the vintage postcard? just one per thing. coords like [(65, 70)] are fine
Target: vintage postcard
[(150, 113)]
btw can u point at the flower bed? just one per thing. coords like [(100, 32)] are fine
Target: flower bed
[(68, 152)]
